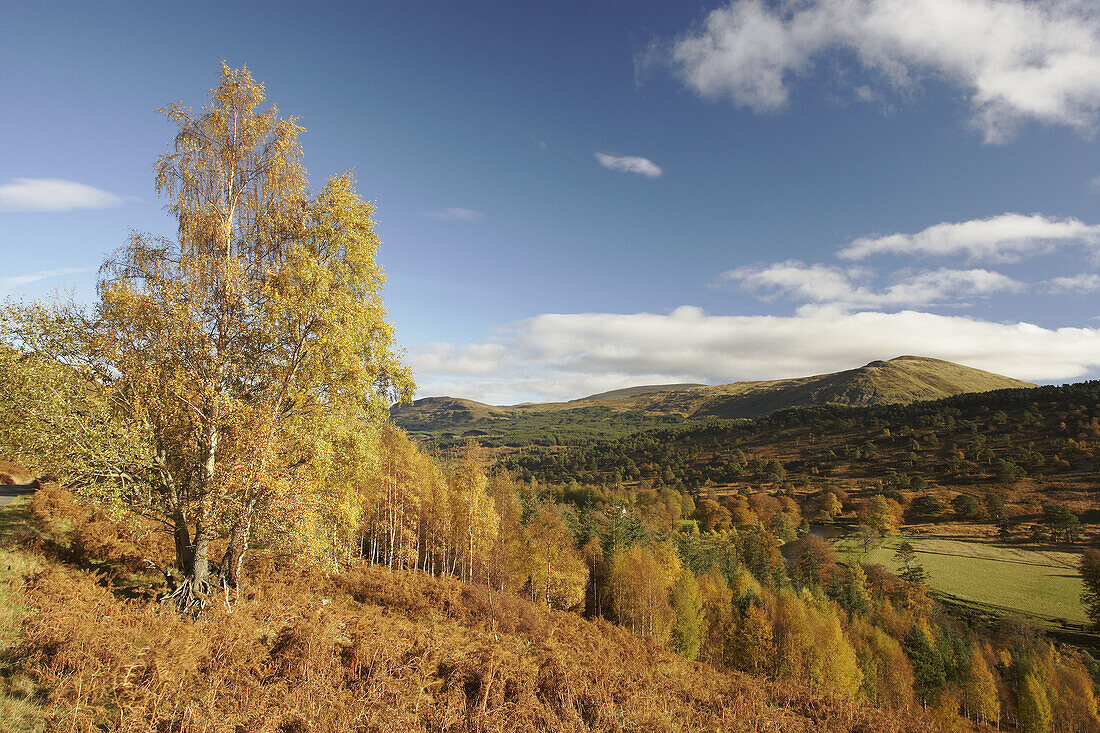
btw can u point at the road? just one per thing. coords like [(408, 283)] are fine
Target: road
[(10, 491)]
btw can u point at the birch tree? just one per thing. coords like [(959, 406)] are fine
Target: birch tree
[(247, 361)]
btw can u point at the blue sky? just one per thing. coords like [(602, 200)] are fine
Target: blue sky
[(580, 196)]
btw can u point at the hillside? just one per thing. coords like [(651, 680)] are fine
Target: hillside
[(610, 414), (636, 391), (981, 479), (1039, 440), (366, 649)]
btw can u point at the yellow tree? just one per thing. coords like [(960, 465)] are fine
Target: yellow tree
[(507, 557), (811, 646), (392, 500), (475, 522), (1034, 713), (641, 580), (887, 673), (433, 519), (753, 646), (882, 514), (558, 575), (249, 357), (1073, 702), (717, 600), (979, 690), (689, 620)]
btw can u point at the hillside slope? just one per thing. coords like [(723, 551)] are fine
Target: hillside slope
[(367, 649), (897, 381)]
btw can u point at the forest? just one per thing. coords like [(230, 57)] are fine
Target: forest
[(228, 533)]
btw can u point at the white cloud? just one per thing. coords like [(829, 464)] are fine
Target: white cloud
[(630, 164), (1015, 60), (819, 283), (454, 213), (541, 384), (500, 374), (467, 360), (864, 93), (33, 277), (52, 194), (945, 284), (726, 348), (1004, 238), (840, 287), (564, 356), (1083, 283)]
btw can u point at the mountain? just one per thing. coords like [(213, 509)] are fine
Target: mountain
[(901, 380)]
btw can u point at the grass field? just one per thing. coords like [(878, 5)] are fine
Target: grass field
[(1038, 583)]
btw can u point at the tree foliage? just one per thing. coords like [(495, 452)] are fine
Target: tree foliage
[(1090, 595), (229, 381)]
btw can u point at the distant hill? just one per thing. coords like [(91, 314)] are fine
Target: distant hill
[(636, 391), (609, 414)]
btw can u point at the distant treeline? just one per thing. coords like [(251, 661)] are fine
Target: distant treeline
[(577, 426), (993, 437)]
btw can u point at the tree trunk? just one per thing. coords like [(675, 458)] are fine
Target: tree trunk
[(193, 558), (200, 564), (233, 560), (548, 575), (184, 549)]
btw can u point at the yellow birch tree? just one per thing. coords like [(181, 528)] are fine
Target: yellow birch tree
[(248, 361)]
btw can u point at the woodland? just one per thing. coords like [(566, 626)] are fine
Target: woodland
[(228, 533)]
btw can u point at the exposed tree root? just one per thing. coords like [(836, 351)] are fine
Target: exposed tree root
[(189, 596)]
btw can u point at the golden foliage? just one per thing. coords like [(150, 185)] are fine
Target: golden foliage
[(641, 579), (887, 673), (374, 649), (229, 381), (810, 644), (1073, 702)]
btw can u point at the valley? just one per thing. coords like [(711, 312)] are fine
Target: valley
[(223, 511)]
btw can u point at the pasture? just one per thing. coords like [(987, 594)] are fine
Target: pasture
[(1039, 583)]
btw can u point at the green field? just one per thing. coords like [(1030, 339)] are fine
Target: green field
[(1037, 583)]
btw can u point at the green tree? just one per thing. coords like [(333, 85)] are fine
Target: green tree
[(851, 592), (995, 505), (1061, 522), (774, 471), (1090, 573), (869, 537), (1006, 471), (928, 504), (928, 663), (965, 506), (905, 554)]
